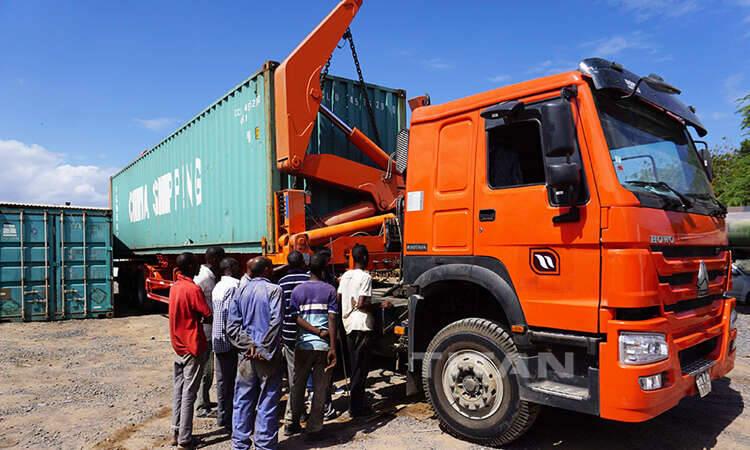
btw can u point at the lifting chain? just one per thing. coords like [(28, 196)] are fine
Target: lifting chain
[(363, 87)]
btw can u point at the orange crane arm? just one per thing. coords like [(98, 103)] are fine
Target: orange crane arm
[(298, 97)]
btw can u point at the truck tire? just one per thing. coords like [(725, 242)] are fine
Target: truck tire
[(466, 377)]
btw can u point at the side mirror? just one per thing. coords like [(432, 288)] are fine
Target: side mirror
[(708, 162), (563, 176), (558, 131)]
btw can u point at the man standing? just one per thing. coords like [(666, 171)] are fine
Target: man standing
[(314, 305), (206, 279), (226, 354), (254, 327), (296, 275), (187, 308), (354, 294)]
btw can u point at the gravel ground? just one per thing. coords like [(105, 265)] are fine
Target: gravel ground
[(106, 384)]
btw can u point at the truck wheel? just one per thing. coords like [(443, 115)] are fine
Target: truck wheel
[(466, 377)]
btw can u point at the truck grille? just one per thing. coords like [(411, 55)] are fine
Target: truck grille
[(687, 305), (684, 251), (695, 356), (677, 270), (683, 278)]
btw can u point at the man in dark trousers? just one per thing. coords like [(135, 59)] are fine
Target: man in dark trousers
[(354, 294), (188, 311), (296, 275), (254, 327), (205, 278), (314, 304), (225, 353)]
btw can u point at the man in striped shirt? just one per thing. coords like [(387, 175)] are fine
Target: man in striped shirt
[(314, 306), (296, 275)]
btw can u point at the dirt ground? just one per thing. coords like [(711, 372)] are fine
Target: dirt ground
[(106, 384)]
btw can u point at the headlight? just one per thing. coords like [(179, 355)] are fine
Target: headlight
[(642, 348), (733, 319)]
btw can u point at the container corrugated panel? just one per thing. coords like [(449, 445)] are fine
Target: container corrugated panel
[(346, 99), (211, 182), (55, 262)]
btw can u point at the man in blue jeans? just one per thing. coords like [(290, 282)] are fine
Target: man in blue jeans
[(254, 327)]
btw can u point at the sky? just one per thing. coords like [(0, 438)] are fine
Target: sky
[(85, 86)]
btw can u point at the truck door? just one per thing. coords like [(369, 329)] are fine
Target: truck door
[(554, 267)]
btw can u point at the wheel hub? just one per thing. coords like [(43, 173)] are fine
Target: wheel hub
[(473, 384)]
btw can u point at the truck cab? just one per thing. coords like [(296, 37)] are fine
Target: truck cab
[(564, 248)]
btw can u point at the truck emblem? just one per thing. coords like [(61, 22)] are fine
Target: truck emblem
[(702, 283), (544, 261), (657, 239)]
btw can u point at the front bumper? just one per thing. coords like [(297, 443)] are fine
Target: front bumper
[(621, 397)]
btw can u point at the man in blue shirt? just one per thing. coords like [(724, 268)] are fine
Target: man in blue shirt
[(254, 327), (315, 307)]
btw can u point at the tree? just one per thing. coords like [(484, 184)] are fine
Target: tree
[(744, 111), (732, 165)]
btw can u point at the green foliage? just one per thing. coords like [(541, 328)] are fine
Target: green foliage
[(744, 111), (732, 165), (732, 178)]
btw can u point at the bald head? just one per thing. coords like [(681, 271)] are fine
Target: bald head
[(259, 266)]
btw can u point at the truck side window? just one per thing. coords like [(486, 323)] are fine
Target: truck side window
[(515, 155)]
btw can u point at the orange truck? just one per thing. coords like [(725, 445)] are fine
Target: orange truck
[(553, 242), (561, 243)]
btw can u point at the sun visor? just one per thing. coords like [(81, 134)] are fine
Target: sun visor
[(609, 75)]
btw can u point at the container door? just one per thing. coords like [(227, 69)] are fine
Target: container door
[(25, 265), (71, 277), (98, 272)]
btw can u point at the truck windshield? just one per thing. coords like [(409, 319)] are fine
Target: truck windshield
[(654, 156)]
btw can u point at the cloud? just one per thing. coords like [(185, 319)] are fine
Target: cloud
[(549, 67), (648, 9), (733, 89), (439, 64), (41, 176), (157, 123), (501, 78), (614, 45)]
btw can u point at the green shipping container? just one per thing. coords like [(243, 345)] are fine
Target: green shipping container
[(55, 262), (211, 182)]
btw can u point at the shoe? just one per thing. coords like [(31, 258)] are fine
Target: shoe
[(292, 429), (194, 442), (330, 412), (206, 413), (173, 443)]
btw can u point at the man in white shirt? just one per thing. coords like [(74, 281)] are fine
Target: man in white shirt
[(206, 280), (354, 295), (226, 354)]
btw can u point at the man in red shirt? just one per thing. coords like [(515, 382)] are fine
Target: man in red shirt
[(187, 312)]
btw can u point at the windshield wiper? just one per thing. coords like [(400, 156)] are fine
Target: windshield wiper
[(686, 202), (721, 209)]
